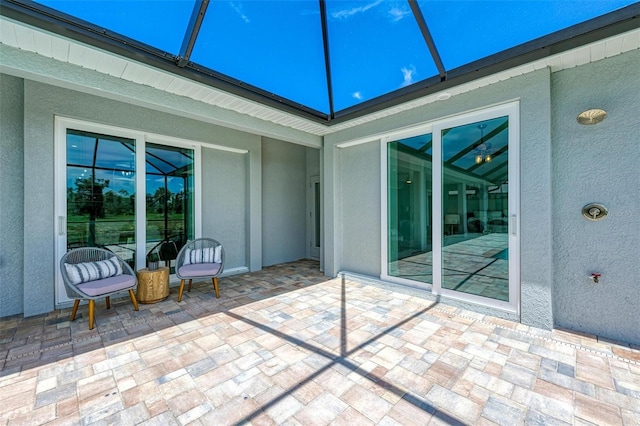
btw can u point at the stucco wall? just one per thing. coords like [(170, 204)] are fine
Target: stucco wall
[(39, 261), (11, 194), (360, 200), (597, 163), (224, 203), (313, 162), (37, 67), (283, 201), (42, 103), (343, 218)]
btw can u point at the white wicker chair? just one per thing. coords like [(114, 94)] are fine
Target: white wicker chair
[(200, 258), (104, 281)]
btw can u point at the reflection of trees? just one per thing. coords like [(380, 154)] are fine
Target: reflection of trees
[(171, 206), (118, 203), (159, 201), (164, 201), (93, 197), (177, 202), (89, 199)]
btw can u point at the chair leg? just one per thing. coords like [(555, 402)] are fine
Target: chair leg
[(92, 308), (76, 303), (133, 299), (189, 288), (181, 290), (108, 299), (215, 286)]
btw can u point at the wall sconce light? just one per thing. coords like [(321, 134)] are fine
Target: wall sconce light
[(592, 116)]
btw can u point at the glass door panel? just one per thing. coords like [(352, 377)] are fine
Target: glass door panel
[(409, 196), (314, 243), (100, 193), (169, 201), (316, 211), (475, 209)]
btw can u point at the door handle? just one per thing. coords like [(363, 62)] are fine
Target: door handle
[(513, 225), (62, 225)]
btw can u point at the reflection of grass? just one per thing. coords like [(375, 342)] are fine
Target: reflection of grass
[(120, 229)]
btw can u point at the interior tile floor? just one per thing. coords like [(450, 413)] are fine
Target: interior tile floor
[(286, 345)]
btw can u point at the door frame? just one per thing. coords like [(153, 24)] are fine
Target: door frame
[(313, 252), (510, 109)]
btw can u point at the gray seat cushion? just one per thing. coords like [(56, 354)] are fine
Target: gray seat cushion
[(199, 270), (107, 285)]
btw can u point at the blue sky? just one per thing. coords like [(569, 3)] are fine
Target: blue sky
[(375, 45)]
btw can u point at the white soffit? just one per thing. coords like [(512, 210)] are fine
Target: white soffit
[(27, 38)]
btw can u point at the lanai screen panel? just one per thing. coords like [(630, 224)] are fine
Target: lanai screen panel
[(274, 45), (158, 23), (372, 50), (375, 48), (466, 31)]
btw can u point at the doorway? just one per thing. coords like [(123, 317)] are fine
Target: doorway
[(314, 223), (117, 190), (452, 207)]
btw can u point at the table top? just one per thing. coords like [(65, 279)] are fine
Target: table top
[(147, 271)]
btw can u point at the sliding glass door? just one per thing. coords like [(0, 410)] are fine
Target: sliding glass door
[(119, 191), (100, 192), (451, 208), (475, 209), (169, 200), (409, 212)]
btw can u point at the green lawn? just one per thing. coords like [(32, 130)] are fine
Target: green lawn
[(120, 229)]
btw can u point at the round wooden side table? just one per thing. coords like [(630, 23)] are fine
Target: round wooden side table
[(153, 286)]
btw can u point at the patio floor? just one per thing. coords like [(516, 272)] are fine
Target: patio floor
[(288, 346)]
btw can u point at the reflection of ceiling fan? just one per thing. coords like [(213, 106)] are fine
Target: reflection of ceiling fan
[(483, 150), (123, 171)]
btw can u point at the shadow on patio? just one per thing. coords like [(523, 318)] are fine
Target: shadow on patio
[(287, 345), (33, 341)]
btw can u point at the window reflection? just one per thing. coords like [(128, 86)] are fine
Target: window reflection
[(169, 201), (101, 193), (475, 203), (475, 209), (410, 212)]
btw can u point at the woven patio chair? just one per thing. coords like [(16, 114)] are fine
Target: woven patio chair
[(90, 273), (198, 259)]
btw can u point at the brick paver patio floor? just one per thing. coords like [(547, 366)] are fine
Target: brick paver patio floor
[(286, 345)]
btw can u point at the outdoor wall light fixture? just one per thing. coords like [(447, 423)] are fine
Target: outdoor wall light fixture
[(592, 116), (482, 151)]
